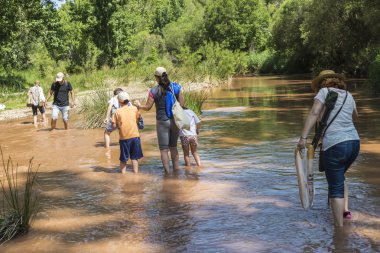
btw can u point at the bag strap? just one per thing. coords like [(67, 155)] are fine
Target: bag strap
[(324, 131), (173, 92)]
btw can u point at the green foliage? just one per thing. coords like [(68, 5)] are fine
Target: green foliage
[(20, 200), (21, 24), (94, 107), (374, 74), (217, 62), (11, 83), (194, 100), (320, 34), (238, 25)]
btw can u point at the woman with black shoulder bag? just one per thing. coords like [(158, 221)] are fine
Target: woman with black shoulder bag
[(340, 139)]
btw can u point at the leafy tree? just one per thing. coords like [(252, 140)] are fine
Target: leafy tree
[(237, 24), (21, 24)]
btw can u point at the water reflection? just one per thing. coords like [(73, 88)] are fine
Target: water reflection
[(243, 199)]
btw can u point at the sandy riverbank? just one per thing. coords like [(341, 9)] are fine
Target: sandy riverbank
[(137, 91)]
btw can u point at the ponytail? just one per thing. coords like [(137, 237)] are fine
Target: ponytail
[(164, 80)]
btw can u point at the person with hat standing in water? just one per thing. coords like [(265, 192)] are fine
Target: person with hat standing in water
[(167, 131), (126, 119), (61, 89), (340, 142)]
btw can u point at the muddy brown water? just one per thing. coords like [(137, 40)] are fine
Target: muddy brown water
[(243, 199)]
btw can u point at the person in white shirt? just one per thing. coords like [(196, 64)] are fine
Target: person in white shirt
[(189, 138), (113, 105), (340, 143), (37, 97)]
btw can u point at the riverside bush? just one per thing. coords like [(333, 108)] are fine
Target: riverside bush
[(195, 100), (20, 200), (374, 74), (94, 107)]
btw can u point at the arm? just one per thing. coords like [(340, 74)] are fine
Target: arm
[(114, 125), (310, 122), (108, 115), (48, 96), (355, 115), (72, 104), (148, 105), (198, 128), (138, 116), (181, 98)]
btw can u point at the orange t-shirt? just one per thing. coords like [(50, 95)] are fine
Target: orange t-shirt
[(126, 119)]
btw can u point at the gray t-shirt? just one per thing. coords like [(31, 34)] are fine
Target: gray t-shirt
[(159, 96), (342, 128)]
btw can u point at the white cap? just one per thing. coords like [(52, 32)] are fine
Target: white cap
[(59, 77), (123, 96), (159, 71)]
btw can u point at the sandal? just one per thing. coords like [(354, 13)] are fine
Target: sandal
[(347, 215)]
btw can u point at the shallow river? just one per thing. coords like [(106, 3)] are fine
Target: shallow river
[(244, 198)]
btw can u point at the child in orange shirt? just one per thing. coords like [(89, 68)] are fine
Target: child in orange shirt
[(126, 118)]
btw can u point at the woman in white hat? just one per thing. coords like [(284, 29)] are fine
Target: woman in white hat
[(340, 143), (162, 96)]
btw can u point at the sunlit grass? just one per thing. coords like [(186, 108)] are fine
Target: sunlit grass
[(19, 200), (94, 107), (194, 100)]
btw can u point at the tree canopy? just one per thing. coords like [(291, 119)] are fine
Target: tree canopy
[(286, 35)]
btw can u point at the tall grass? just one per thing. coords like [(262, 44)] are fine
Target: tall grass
[(94, 107), (194, 100), (19, 201), (11, 83)]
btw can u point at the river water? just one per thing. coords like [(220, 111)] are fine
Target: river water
[(244, 198)]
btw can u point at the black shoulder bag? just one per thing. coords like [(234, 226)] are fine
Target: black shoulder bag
[(320, 163)]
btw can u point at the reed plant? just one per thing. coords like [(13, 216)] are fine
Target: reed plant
[(194, 100), (20, 201), (94, 107)]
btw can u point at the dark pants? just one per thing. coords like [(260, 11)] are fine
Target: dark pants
[(35, 107), (336, 160)]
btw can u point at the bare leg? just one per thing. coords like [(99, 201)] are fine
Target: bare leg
[(35, 120), (123, 167), (107, 139), (43, 117), (175, 157), (337, 205), (165, 159), (135, 166), (66, 123), (194, 151), (345, 197), (53, 124), (186, 154)]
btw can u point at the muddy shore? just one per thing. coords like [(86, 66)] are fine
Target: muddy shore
[(136, 92)]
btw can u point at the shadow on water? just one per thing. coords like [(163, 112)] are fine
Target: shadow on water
[(243, 199)]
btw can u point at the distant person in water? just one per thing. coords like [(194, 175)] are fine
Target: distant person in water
[(340, 143), (38, 98), (61, 89), (162, 96), (113, 105), (189, 138), (126, 119)]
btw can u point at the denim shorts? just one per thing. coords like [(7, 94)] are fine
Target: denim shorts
[(336, 160), (109, 127), (63, 109), (130, 148)]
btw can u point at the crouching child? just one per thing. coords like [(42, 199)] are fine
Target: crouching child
[(126, 119)]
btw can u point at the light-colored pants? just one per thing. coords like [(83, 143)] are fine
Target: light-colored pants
[(167, 134), (63, 109)]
